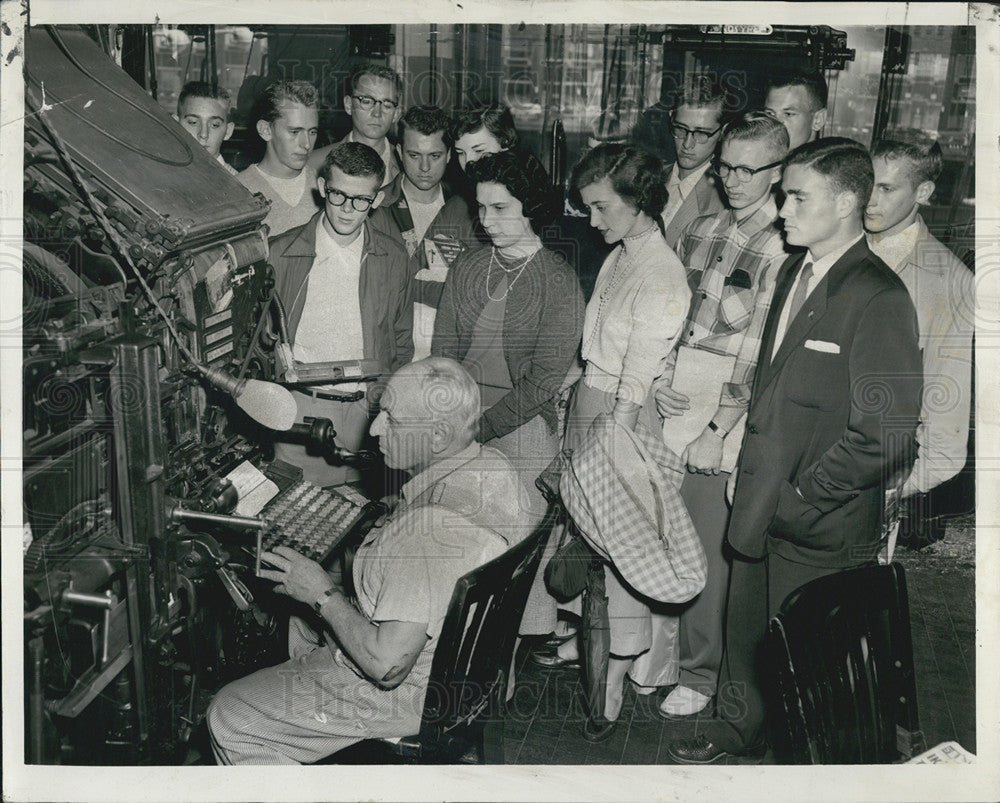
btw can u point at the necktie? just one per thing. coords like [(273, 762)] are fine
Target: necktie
[(801, 292)]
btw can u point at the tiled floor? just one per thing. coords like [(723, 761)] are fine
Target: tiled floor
[(546, 714)]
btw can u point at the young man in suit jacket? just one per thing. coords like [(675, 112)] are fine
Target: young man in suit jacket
[(832, 417), (696, 125)]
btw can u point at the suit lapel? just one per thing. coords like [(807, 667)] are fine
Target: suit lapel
[(815, 307), (795, 332), (687, 212), (765, 366)]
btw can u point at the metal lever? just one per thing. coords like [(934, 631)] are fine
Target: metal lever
[(241, 595), (241, 522)]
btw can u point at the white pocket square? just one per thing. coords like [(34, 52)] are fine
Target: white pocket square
[(822, 345)]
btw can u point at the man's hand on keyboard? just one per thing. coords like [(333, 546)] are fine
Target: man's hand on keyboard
[(296, 575)]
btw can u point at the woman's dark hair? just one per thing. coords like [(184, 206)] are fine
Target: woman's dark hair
[(494, 117), (635, 174), (525, 178)]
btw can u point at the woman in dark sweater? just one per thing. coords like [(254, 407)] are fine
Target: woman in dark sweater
[(512, 314)]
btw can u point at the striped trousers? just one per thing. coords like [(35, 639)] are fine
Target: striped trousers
[(308, 707)]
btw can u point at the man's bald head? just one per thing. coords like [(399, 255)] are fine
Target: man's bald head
[(430, 411)]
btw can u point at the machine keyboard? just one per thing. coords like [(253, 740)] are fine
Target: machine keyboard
[(314, 521)]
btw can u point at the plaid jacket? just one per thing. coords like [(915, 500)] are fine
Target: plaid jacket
[(731, 269)]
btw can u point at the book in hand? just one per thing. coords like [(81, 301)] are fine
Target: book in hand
[(700, 375)]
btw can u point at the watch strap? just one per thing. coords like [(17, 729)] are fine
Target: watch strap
[(321, 601), (717, 429)]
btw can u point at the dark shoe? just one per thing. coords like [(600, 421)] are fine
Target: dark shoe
[(552, 660), (598, 731), (700, 750)]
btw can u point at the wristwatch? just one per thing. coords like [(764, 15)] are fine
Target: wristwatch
[(717, 429), (321, 601)]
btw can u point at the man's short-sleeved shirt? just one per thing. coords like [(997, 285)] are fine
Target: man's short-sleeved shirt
[(457, 515)]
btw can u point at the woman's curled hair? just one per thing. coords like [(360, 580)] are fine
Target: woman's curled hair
[(494, 117), (635, 174), (525, 178)]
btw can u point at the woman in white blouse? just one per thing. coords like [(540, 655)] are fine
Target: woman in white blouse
[(632, 322)]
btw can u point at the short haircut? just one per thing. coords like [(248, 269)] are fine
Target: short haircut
[(844, 162), (813, 82), (426, 120), (700, 90), (450, 392), (635, 174), (494, 117), (759, 127), (525, 178), (268, 107), (910, 143), (375, 71), (354, 159), (203, 89)]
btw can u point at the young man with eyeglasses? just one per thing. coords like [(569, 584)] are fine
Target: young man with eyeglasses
[(731, 259), (696, 125), (425, 214), (373, 99), (347, 293), (287, 117)]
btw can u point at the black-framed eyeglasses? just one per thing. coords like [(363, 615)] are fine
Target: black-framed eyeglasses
[(367, 102), (701, 136), (361, 203), (743, 173)]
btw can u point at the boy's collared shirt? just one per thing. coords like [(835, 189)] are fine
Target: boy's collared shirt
[(330, 327), (731, 266)]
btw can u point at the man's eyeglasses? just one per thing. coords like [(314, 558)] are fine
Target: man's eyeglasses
[(367, 102), (361, 203), (700, 136), (743, 173)]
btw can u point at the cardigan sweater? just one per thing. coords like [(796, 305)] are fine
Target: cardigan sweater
[(635, 315), (541, 332)]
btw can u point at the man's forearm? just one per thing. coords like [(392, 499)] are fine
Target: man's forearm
[(359, 638), (726, 417)]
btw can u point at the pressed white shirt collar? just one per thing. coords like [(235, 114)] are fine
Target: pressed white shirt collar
[(685, 185), (438, 471), (822, 265), (894, 249)]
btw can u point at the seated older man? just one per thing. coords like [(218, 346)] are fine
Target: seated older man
[(363, 672)]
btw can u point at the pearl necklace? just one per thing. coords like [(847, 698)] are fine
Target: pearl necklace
[(625, 261), (519, 269)]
